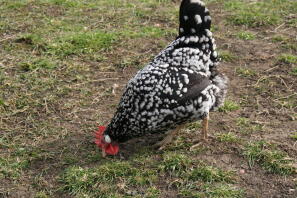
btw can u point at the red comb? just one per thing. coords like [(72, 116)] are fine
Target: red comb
[(108, 148)]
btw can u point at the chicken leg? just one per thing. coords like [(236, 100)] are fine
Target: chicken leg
[(204, 131), (205, 127), (161, 145)]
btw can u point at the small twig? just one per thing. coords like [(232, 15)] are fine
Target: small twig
[(7, 38), (46, 107), (103, 79), (107, 72), (271, 68), (285, 97), (99, 80), (278, 27), (271, 76), (283, 81)]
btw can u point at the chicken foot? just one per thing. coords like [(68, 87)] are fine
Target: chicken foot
[(204, 131), (161, 145)]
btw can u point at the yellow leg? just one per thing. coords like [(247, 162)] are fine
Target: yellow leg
[(161, 145), (205, 127), (204, 131)]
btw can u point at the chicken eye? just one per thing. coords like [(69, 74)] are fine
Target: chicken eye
[(107, 139)]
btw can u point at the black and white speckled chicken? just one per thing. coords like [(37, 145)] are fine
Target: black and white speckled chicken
[(180, 85)]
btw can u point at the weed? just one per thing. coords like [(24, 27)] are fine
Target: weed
[(244, 72), (271, 159), (213, 191), (288, 58), (78, 180), (81, 43), (246, 35), (41, 195), (175, 164), (194, 125), (65, 3), (260, 13), (30, 39), (227, 137), (210, 174), (246, 126), (279, 38), (41, 63), (223, 191), (294, 136), (15, 5), (229, 106), (226, 56), (285, 42), (153, 192)]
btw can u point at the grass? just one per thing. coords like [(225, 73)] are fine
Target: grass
[(227, 56), (294, 136), (288, 58), (245, 72), (209, 181), (99, 181), (246, 126), (227, 137), (210, 174), (214, 191), (246, 35), (175, 164), (257, 14), (271, 159), (81, 43), (43, 63), (229, 106), (286, 42)]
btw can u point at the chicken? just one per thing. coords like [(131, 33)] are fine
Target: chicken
[(180, 85)]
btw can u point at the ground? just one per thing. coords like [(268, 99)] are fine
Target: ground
[(60, 59)]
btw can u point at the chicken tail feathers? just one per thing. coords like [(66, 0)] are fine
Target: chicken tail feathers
[(194, 18), (221, 81)]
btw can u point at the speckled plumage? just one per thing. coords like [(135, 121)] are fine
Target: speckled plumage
[(180, 85)]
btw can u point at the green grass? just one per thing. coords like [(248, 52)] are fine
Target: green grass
[(246, 126), (246, 35), (286, 42), (214, 191), (43, 63), (209, 181), (279, 38), (20, 159), (245, 72), (224, 191), (229, 106), (194, 125), (294, 135), (227, 137), (260, 13), (288, 58), (210, 174), (175, 164), (81, 43), (268, 157), (227, 56), (100, 180)]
